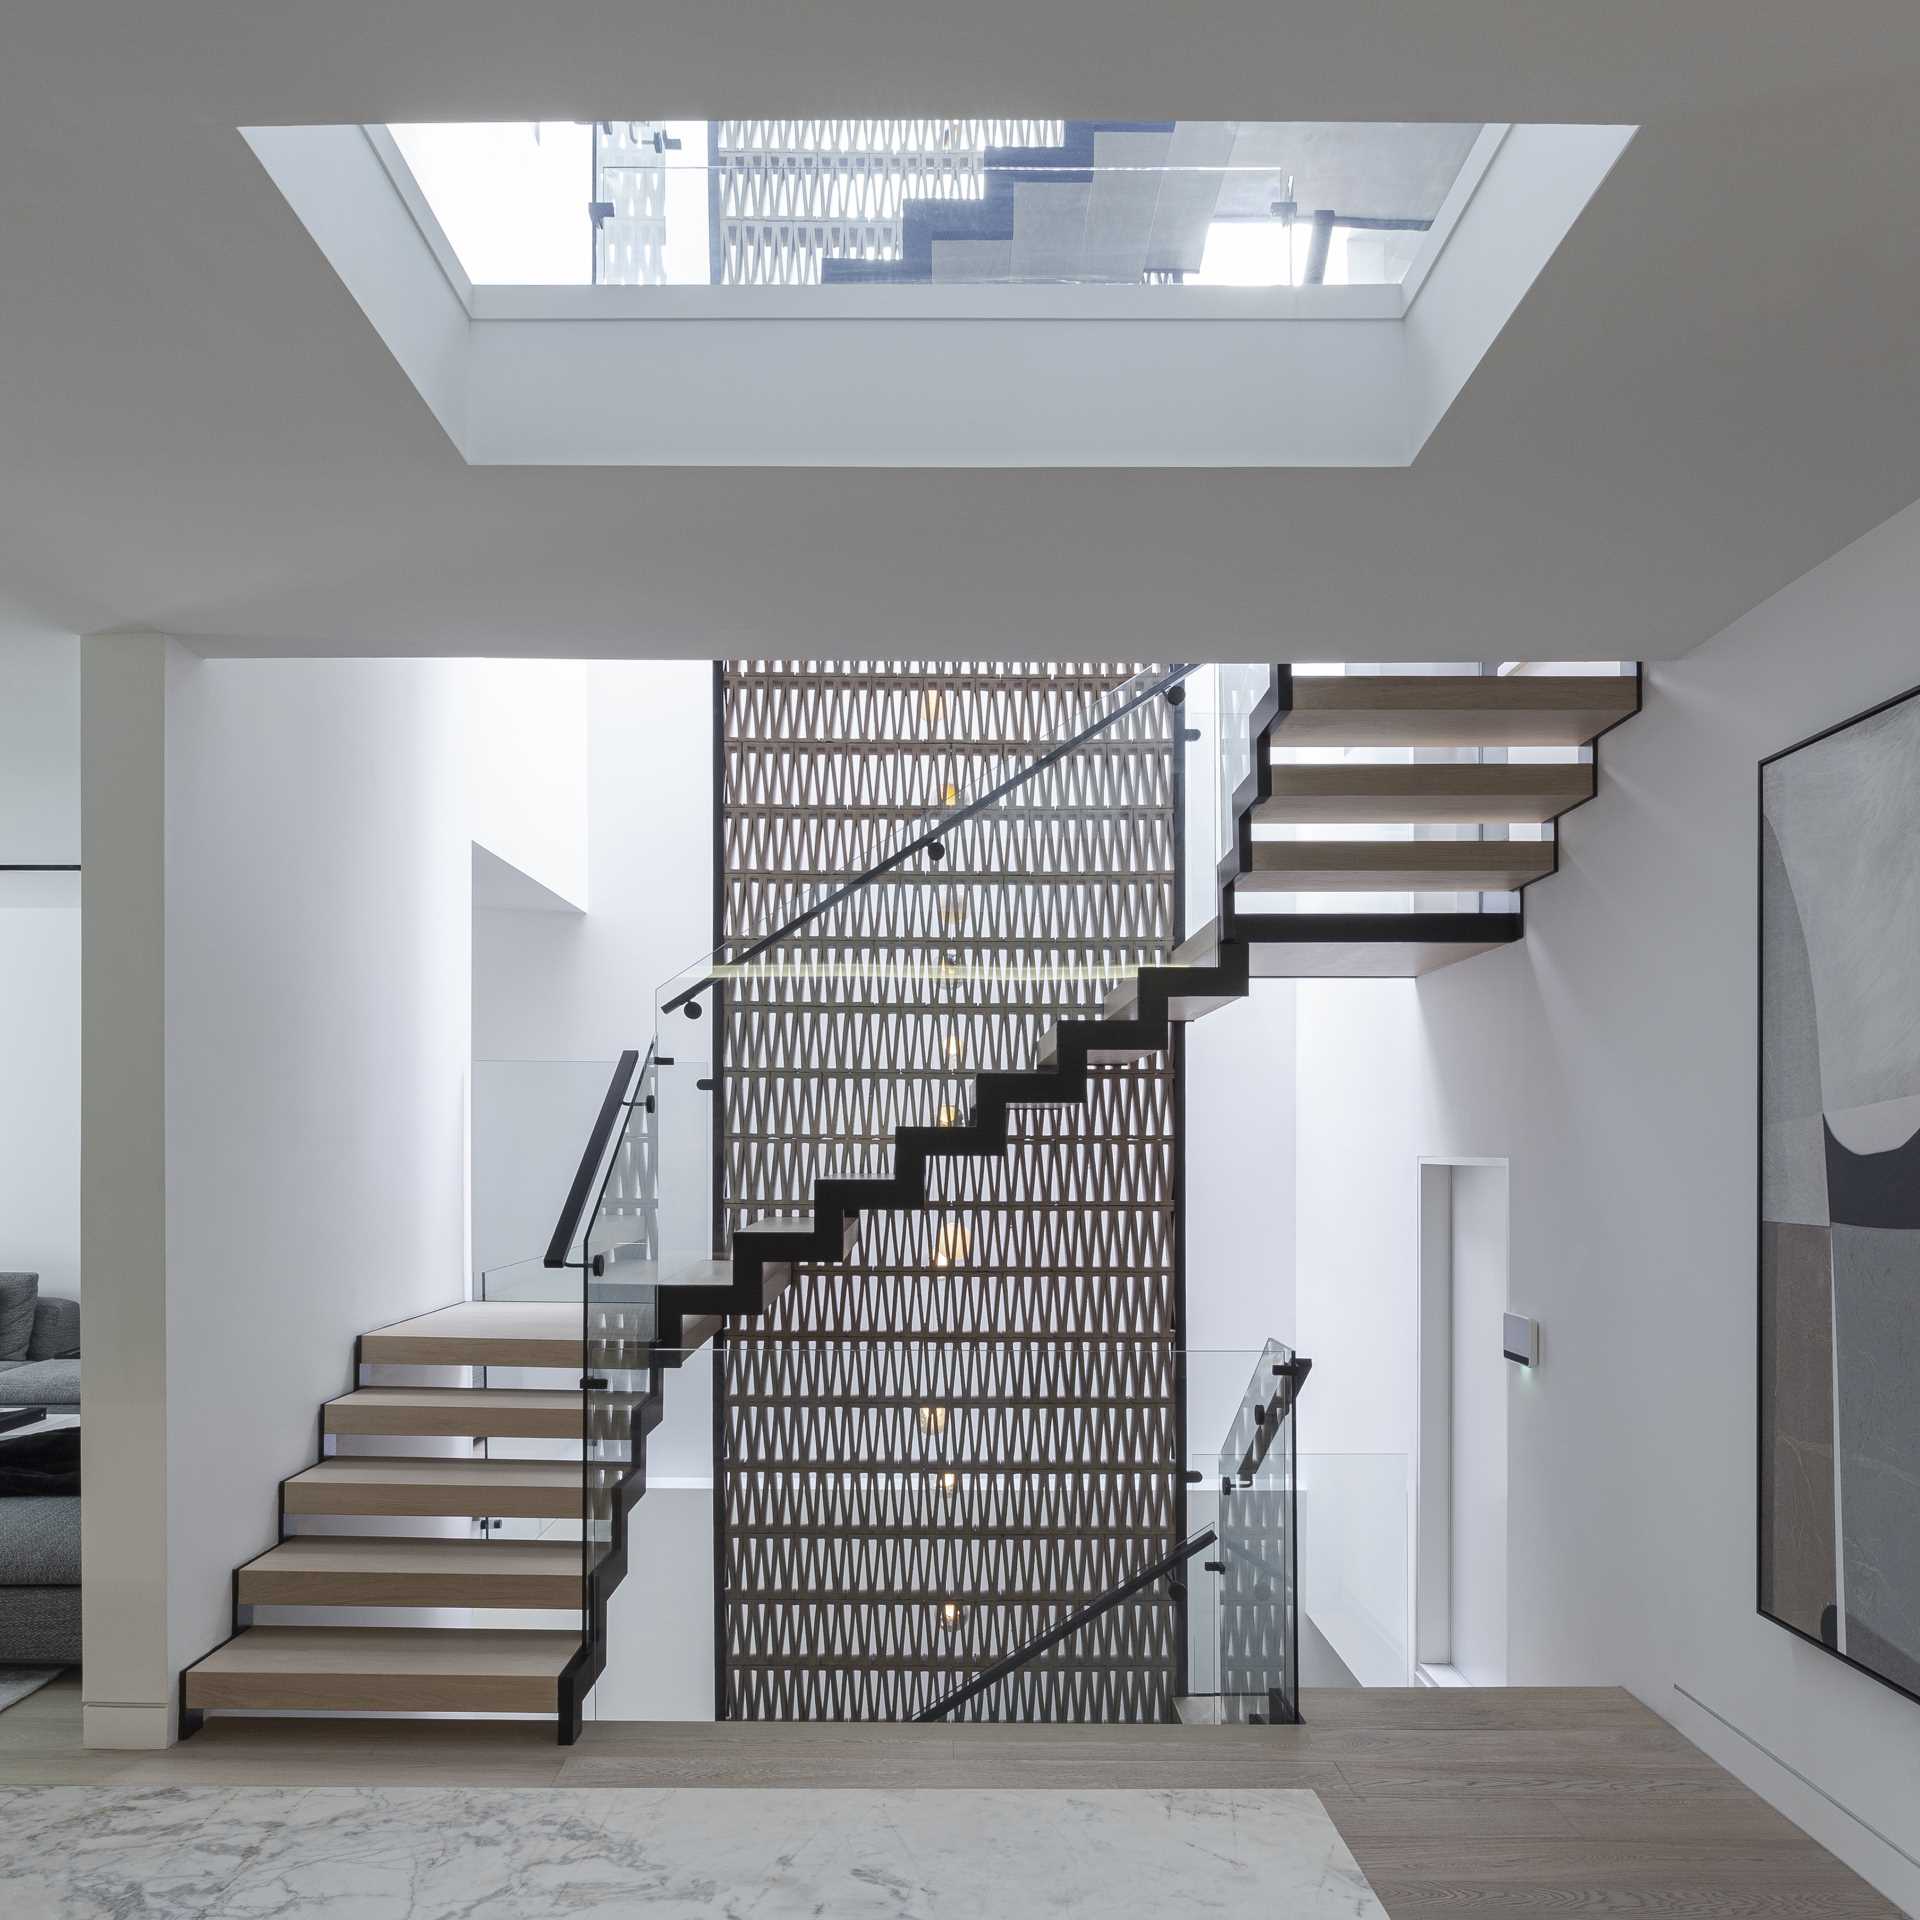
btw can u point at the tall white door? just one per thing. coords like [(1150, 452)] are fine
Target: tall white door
[(1478, 1574)]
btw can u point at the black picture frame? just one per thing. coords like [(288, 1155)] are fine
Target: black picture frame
[(1762, 1437)]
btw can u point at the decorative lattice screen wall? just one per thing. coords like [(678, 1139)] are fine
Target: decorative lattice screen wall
[(930, 1453)]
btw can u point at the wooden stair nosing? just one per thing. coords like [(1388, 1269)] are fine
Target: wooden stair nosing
[(1455, 710), (1365, 866), (479, 1333), (424, 1487), (506, 1413), (386, 1570), (382, 1670), (1438, 794)]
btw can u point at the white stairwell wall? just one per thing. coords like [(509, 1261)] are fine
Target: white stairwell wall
[(1610, 1059), (276, 1045), (558, 987)]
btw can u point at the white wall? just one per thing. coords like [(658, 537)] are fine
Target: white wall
[(39, 747), (1240, 1201), (660, 1619), (1477, 1395), (525, 723), (564, 987), (40, 956), (300, 828), (1610, 1058), (569, 989)]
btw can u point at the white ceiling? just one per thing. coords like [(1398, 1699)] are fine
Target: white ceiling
[(1712, 386)]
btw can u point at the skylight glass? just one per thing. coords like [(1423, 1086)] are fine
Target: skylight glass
[(800, 203)]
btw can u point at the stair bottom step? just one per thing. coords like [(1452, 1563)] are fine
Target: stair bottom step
[(384, 1670)]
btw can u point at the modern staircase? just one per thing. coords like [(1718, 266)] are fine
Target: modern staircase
[(1245, 941), (448, 1669), (636, 1310), (1133, 202), (1041, 206)]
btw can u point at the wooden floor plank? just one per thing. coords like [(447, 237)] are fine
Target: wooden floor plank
[(1513, 1805)]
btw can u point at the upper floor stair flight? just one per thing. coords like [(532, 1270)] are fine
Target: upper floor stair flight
[(1255, 929)]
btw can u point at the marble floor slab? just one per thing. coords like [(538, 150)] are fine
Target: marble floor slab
[(420, 1853)]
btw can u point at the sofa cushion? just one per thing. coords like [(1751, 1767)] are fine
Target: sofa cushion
[(41, 1383), (39, 1543), (40, 1626), (18, 1294), (56, 1329)]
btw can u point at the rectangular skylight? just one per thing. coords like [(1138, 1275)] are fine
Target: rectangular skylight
[(797, 203)]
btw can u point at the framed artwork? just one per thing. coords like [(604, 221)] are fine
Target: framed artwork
[(1839, 1255)]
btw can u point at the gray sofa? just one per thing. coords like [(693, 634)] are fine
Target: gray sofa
[(40, 1537)]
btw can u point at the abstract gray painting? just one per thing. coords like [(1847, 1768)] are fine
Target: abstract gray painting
[(1840, 1190)]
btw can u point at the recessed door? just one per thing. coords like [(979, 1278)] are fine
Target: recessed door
[(1461, 1622)]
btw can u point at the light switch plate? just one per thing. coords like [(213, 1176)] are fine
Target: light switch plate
[(1520, 1339)]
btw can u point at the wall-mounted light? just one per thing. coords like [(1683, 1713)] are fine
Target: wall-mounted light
[(933, 1419), (950, 1611), (948, 1482), (1520, 1339), (949, 1116), (951, 1244), (952, 1049)]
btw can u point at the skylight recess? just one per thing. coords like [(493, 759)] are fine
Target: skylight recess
[(803, 203)]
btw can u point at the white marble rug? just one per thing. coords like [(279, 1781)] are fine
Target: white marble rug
[(419, 1853)]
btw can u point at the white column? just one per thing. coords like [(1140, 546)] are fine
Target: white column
[(130, 1699)]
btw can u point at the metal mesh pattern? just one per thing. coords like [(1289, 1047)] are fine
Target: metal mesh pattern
[(934, 1450)]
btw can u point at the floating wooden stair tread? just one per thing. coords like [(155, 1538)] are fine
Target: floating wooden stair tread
[(384, 1670), (342, 1570), (776, 1224), (481, 1333), (474, 1489), (505, 1413), (1364, 866), (1444, 795), (1454, 710), (1318, 945)]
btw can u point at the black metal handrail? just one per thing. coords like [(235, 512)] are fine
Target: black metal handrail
[(1162, 684), (604, 1124), (1032, 1648)]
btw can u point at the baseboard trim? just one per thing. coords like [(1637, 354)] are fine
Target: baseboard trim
[(1886, 1864), (115, 1725)]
